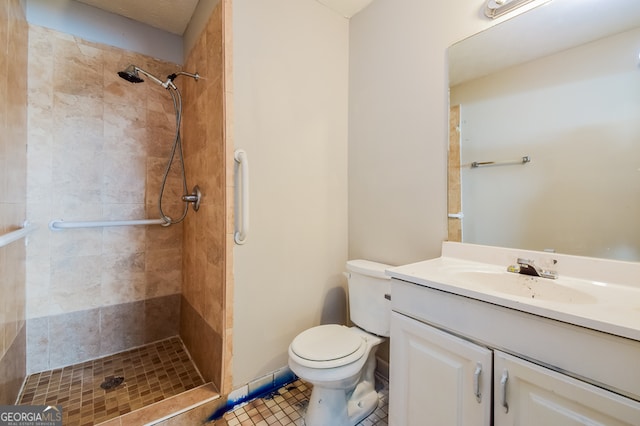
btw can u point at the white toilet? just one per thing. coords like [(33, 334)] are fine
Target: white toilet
[(340, 361)]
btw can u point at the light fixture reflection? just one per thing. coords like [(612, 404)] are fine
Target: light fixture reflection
[(497, 8)]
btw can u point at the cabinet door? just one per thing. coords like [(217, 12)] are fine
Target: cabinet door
[(436, 378), (527, 394)]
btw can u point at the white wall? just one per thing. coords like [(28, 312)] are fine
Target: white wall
[(291, 59), (398, 125), (99, 26), (290, 95)]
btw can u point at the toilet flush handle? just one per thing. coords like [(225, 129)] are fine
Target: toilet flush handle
[(348, 275)]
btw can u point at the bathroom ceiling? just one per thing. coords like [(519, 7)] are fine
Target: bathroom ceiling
[(174, 15), (170, 15), (346, 8)]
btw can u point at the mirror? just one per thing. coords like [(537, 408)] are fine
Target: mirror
[(559, 84)]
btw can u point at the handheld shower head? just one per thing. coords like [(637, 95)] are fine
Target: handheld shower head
[(131, 74)]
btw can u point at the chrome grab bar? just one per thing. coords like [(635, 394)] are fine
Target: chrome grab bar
[(12, 236), (59, 224), (242, 210)]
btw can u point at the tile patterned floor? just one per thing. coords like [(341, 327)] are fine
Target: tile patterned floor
[(287, 407), (151, 373)]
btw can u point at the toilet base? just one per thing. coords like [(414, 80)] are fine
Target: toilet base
[(336, 408), (345, 406), (365, 404)]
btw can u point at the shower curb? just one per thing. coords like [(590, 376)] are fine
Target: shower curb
[(162, 411)]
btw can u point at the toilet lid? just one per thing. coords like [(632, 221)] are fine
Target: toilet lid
[(327, 343)]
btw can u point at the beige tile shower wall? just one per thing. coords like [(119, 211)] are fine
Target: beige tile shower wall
[(229, 148), (13, 180), (204, 291), (97, 151)]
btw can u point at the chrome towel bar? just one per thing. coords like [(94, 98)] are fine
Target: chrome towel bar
[(476, 164)]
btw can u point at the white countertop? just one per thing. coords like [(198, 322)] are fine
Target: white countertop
[(610, 307)]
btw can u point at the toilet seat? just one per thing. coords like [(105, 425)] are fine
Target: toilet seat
[(327, 346)]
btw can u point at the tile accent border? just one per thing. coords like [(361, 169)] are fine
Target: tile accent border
[(202, 341), (65, 339)]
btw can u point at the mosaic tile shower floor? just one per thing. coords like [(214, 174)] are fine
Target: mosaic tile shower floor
[(151, 373), (286, 407)]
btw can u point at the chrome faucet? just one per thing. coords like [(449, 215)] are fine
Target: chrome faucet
[(528, 268)]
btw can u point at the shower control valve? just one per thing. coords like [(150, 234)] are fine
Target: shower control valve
[(193, 198)]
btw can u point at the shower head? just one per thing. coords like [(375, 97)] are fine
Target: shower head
[(131, 74)]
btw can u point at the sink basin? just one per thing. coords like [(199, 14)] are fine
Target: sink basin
[(533, 288), (601, 295)]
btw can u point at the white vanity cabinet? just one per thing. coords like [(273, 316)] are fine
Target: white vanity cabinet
[(447, 348), (438, 379)]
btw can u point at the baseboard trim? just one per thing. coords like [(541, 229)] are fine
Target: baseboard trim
[(382, 368), (255, 389)]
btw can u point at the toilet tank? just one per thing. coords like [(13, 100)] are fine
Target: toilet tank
[(368, 286)]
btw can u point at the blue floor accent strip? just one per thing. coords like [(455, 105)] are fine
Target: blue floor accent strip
[(260, 392)]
